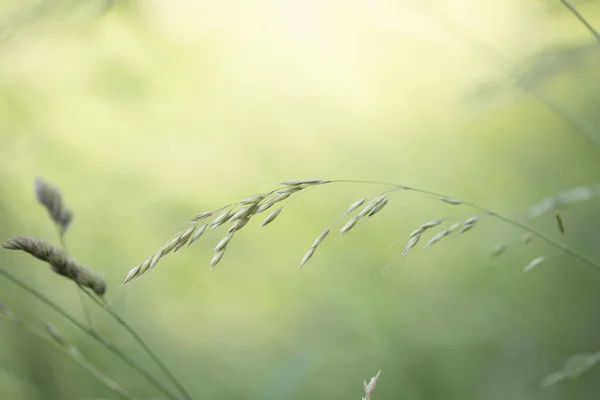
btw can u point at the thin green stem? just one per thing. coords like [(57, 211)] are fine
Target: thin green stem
[(90, 332), (554, 243), (106, 307), (581, 19), (76, 357)]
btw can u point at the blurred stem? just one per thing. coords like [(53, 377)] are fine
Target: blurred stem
[(554, 243), (90, 332), (76, 356), (106, 307), (478, 46), (581, 19)]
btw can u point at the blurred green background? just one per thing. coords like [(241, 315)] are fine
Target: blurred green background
[(146, 113)]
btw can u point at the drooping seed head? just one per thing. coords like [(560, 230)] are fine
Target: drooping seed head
[(221, 219), (239, 224), (411, 243), (307, 256), (169, 246), (416, 232), (202, 216), (321, 237), (354, 206), (50, 197), (271, 217), (291, 189), (131, 275), (437, 237), (197, 233), (223, 243), (59, 262), (377, 208), (450, 200), (349, 225), (302, 182), (184, 237), (534, 263), (279, 197), (454, 227), (217, 257), (244, 212), (431, 224), (252, 199), (498, 250), (370, 206), (264, 207)]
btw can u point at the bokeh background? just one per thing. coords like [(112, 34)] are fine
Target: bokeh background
[(146, 113)]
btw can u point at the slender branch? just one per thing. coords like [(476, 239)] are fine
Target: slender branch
[(554, 243), (581, 19), (90, 332), (76, 357), (106, 307)]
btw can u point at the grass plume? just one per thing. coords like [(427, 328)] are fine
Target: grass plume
[(59, 261)]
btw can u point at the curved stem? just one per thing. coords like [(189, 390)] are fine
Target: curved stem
[(106, 307), (90, 332), (554, 243), (76, 357)]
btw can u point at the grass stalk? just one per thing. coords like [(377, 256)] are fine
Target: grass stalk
[(90, 332), (108, 309)]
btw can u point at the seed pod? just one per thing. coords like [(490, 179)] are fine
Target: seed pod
[(349, 225), (534, 263), (223, 243), (271, 217), (377, 208), (354, 206), (302, 182), (321, 237), (411, 243), (450, 200), (221, 219), (217, 257), (239, 224), (199, 231), (307, 256)]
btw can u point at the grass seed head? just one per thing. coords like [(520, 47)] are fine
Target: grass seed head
[(271, 217), (321, 237), (349, 225), (216, 258), (450, 200), (197, 233), (377, 208), (436, 238), (51, 198), (302, 182), (411, 243), (221, 219), (223, 243), (534, 263), (239, 224), (354, 206), (307, 256), (59, 262), (498, 250)]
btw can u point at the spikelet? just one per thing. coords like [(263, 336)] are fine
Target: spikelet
[(50, 197)]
